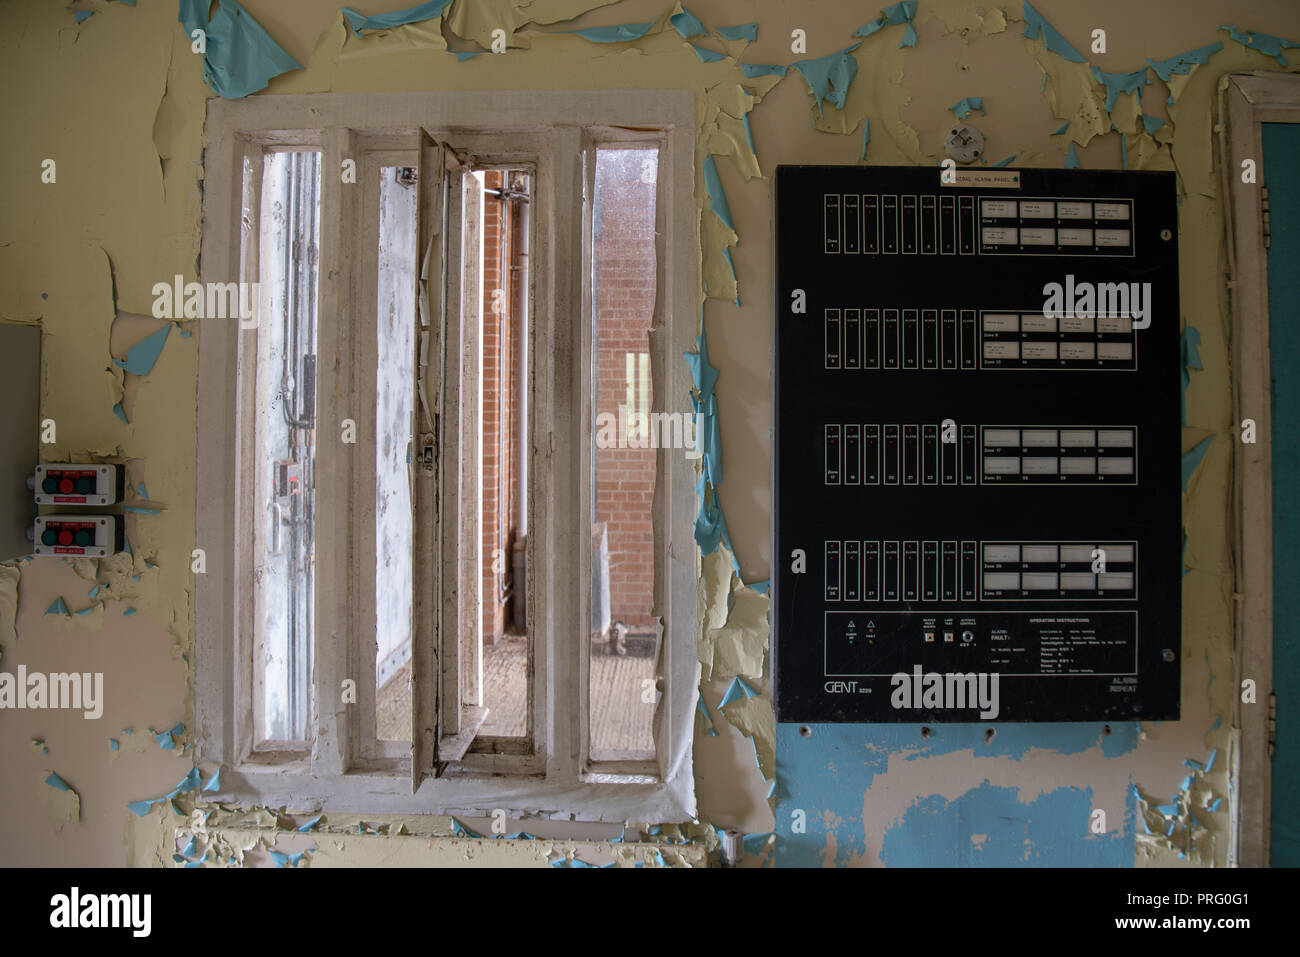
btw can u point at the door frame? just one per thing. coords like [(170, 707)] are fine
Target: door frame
[(1246, 101)]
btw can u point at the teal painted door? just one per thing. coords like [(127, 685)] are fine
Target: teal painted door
[(1281, 149)]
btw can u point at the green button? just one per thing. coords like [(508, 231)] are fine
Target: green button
[(50, 485), (49, 536), (83, 538)]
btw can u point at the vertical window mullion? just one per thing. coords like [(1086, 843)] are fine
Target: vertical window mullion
[(364, 239), (337, 618)]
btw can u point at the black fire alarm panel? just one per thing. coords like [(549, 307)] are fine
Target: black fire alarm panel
[(976, 453)]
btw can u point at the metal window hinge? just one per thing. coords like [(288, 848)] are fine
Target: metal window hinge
[(1263, 209), (429, 450), (1272, 722)]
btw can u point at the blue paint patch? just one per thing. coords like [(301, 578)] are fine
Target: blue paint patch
[(713, 186), (967, 105), (1049, 830), (1184, 62), (57, 782), (59, 607), (1151, 123), (829, 77), (1117, 83), (704, 401), (1061, 129), (1265, 43), (142, 356), (738, 690), (1006, 162), (707, 56), (1191, 359), (752, 71), (1072, 158), (742, 31), (1192, 459), (240, 58), (386, 21), (460, 830), (702, 707), (686, 24), (616, 34), (831, 770), (1036, 23)]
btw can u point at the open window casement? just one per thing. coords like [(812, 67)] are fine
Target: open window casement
[(447, 667)]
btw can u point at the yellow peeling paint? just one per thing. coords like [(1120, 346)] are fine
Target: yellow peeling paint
[(9, 575), (125, 214), (734, 622), (1073, 94), (63, 808)]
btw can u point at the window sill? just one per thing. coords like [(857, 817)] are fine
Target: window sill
[(600, 797)]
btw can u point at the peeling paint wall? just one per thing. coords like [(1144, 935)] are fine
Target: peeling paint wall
[(116, 99)]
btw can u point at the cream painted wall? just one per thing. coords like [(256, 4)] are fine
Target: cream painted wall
[(118, 102)]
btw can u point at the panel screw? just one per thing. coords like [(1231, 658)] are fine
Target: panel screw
[(925, 732), (1168, 654), (805, 730), (1166, 235)]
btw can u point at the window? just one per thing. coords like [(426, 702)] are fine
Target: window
[(446, 498)]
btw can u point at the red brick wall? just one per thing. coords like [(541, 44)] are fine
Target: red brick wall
[(625, 275), (625, 478), (497, 391)]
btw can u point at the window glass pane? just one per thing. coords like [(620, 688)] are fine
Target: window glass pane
[(394, 417), (628, 434), (504, 285), (285, 442)]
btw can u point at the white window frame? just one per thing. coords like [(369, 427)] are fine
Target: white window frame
[(553, 131), (1246, 102)]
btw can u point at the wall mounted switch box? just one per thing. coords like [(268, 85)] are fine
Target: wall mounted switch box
[(976, 453), (73, 484), (85, 536)]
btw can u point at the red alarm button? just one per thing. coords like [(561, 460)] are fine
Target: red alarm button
[(65, 537), (66, 485)]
